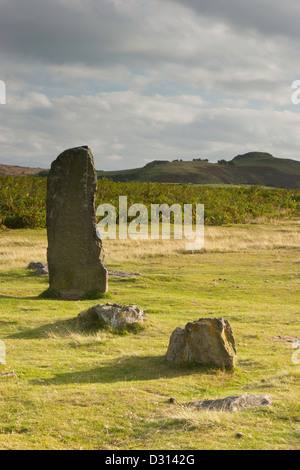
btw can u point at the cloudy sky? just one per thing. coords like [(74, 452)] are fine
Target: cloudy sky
[(139, 80)]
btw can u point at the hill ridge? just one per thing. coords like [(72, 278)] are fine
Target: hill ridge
[(250, 168), (259, 168)]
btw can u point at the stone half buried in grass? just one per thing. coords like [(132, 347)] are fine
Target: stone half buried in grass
[(115, 315), (39, 267), (208, 341), (233, 403)]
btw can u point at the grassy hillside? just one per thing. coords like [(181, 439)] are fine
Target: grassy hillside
[(250, 168)]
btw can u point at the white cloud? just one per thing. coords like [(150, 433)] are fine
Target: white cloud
[(29, 102), (125, 129), (141, 80)]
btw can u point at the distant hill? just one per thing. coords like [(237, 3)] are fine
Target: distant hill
[(11, 170), (251, 168)]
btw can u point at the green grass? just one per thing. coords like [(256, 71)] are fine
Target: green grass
[(66, 386)]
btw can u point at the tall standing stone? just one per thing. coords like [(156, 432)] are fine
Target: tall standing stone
[(75, 254)]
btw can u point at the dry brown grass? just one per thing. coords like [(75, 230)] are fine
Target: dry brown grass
[(17, 250), (217, 239), (77, 338), (19, 247)]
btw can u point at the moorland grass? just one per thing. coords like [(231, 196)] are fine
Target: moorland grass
[(65, 386)]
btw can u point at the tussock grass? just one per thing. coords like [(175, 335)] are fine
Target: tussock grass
[(17, 251), (78, 339), (191, 420), (217, 239)]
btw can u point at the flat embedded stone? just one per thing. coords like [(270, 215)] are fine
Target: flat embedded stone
[(233, 403)]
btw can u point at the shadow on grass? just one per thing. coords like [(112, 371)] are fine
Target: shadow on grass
[(128, 368), (14, 276), (91, 295), (47, 294), (21, 274), (59, 328), (63, 329), (15, 297)]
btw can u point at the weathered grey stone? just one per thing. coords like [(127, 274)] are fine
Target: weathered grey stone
[(75, 254), (114, 314), (208, 341), (40, 268), (37, 265), (42, 271), (232, 403), (122, 274)]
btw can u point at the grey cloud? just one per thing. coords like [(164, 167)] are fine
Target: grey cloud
[(89, 32), (164, 42), (58, 55), (269, 17), (99, 33), (60, 32), (125, 130)]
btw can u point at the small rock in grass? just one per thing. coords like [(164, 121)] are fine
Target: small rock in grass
[(233, 403), (41, 268), (115, 314)]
